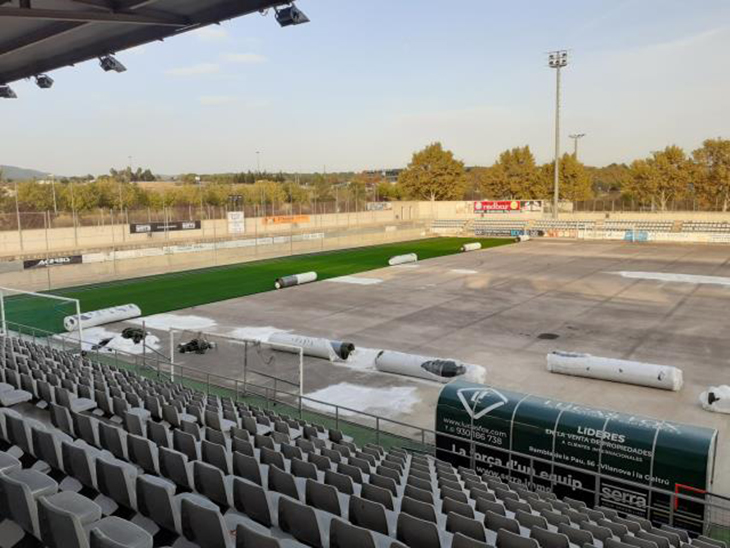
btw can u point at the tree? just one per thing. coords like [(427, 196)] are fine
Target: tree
[(514, 176), (661, 178), (713, 172), (576, 184), (434, 174)]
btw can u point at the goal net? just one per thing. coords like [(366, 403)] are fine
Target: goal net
[(236, 365), (25, 313)]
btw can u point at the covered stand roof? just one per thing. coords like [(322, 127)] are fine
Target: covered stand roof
[(37, 36)]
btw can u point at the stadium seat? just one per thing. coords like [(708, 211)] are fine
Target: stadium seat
[(417, 533), (508, 539), (549, 539), (300, 521), (19, 491)]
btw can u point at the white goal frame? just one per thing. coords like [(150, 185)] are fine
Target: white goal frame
[(6, 292)]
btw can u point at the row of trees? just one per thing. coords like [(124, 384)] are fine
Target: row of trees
[(669, 175), (434, 173)]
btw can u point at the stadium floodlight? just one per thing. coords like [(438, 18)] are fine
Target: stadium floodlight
[(576, 137), (557, 60), (43, 81), (6, 92), (110, 63), (290, 15)]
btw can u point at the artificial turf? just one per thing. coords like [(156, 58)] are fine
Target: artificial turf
[(174, 291)]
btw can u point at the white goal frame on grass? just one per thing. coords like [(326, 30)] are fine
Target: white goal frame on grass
[(237, 340), (6, 292)]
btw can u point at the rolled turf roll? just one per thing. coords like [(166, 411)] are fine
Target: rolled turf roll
[(474, 246), (716, 399), (312, 346), (295, 279), (522, 238), (652, 375), (423, 367), (403, 259), (103, 316)]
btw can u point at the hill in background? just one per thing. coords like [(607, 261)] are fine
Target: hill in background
[(12, 173)]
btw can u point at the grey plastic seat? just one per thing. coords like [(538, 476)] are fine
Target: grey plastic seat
[(368, 514), (549, 539), (87, 428), (449, 505), (576, 536), (484, 506), (516, 505), (639, 542), (416, 493), (282, 482), (155, 500), (617, 529), (462, 541), (210, 482), (341, 482), (377, 494), (248, 538), (272, 458), (8, 463), (61, 419), (47, 446), (529, 520), (681, 533), (143, 453), (714, 542), (175, 466), (17, 430), (202, 522), (555, 518), (508, 539), (495, 522), (252, 501), (457, 523), (418, 509), (613, 543), (79, 462), (417, 533), (389, 484), (599, 532), (19, 490), (346, 535), (9, 395), (63, 517), (300, 521), (302, 469), (659, 540), (185, 443), (239, 445), (66, 399), (454, 494), (323, 497), (112, 439), (247, 467), (674, 539), (115, 532), (215, 454), (172, 416), (117, 480), (291, 452), (157, 433)]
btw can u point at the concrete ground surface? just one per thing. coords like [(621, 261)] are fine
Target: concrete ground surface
[(490, 308)]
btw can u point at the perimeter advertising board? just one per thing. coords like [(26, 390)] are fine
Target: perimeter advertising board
[(497, 206), (145, 228), (575, 444)]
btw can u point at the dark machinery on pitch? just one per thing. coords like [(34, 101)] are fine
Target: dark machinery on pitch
[(197, 345)]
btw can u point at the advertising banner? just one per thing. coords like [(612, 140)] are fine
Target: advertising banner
[(497, 206), (597, 456), (286, 219), (236, 222), (172, 226), (379, 206), (52, 261)]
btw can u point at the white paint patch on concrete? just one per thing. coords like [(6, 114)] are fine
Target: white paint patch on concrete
[(679, 278), (255, 333), (355, 280), (463, 271), (164, 322), (391, 401), (94, 335)]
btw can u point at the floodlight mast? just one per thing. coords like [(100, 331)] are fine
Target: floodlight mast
[(576, 137), (557, 60)]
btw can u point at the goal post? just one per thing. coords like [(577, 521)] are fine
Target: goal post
[(27, 312)]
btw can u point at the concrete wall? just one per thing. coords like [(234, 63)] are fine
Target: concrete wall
[(174, 258)]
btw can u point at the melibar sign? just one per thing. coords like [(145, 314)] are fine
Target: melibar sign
[(498, 206), (622, 455)]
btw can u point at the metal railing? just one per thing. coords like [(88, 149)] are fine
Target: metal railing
[(269, 392)]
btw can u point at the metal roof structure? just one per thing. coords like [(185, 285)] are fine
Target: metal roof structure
[(37, 36)]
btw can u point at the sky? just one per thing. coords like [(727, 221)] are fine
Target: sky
[(367, 83)]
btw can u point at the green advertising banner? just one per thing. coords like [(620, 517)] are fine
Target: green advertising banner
[(602, 457)]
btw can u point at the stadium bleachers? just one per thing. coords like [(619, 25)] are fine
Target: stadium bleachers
[(706, 226), (548, 224), (122, 460), (647, 226), (448, 226)]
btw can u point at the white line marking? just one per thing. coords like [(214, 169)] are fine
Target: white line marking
[(679, 278)]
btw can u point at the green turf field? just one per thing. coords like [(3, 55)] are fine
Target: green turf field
[(166, 292)]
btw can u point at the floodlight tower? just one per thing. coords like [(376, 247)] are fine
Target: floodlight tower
[(557, 60), (576, 137)]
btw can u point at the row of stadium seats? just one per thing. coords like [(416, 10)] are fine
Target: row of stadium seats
[(706, 226), (199, 467), (648, 226)]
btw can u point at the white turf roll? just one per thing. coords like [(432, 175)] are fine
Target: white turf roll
[(471, 247), (403, 259), (295, 279), (423, 367), (522, 238), (101, 317), (716, 399), (311, 346), (652, 375)]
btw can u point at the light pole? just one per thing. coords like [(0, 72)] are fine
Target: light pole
[(258, 162), (53, 192), (557, 60), (576, 137)]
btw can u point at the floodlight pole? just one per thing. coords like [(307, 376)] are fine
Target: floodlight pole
[(557, 60), (576, 137)]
